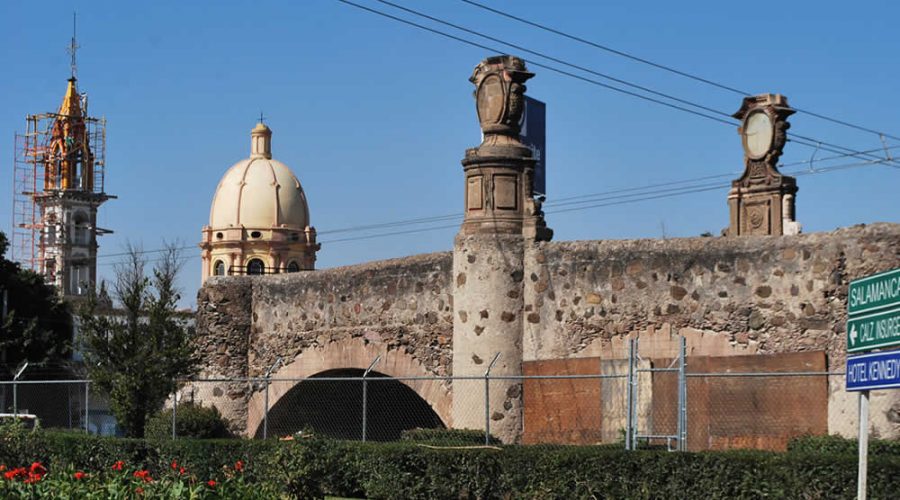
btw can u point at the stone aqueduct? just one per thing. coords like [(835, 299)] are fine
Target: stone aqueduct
[(505, 288)]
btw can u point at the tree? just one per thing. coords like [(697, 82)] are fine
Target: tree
[(35, 324), (136, 353)]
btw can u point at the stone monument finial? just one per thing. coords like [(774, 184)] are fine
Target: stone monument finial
[(500, 99), (500, 172), (761, 201)]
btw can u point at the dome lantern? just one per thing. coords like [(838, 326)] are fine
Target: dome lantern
[(261, 141)]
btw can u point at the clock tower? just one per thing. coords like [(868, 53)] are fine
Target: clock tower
[(761, 201)]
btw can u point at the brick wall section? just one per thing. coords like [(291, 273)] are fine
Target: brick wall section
[(776, 294)]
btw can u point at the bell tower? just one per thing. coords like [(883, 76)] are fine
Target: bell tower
[(58, 189)]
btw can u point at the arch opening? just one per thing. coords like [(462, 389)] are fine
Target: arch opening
[(334, 407)]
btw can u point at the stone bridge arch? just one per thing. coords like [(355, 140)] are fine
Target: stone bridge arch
[(350, 358)]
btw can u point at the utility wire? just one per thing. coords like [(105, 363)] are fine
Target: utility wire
[(537, 64), (571, 200), (599, 201), (666, 68), (608, 49), (556, 60), (815, 143)]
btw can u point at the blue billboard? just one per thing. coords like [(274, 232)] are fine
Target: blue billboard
[(534, 135), (879, 370)]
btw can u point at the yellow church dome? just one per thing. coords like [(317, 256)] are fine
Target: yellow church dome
[(259, 192)]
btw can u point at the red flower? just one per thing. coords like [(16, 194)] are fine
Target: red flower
[(38, 469), (79, 475), (239, 465), (139, 490), (2, 468), (14, 473), (174, 465), (211, 483), (143, 474), (33, 478), (181, 471), (118, 465)]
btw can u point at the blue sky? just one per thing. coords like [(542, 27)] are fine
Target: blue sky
[(374, 116)]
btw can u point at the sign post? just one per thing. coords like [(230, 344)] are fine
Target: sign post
[(873, 322)]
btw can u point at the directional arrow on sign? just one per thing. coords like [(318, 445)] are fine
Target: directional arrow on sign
[(853, 335)]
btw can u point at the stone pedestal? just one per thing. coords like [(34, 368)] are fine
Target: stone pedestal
[(502, 216)]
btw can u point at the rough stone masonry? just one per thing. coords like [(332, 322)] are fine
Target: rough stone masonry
[(506, 289)]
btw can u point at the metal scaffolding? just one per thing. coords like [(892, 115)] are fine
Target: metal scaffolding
[(35, 233)]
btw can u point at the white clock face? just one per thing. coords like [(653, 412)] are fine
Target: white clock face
[(758, 133)]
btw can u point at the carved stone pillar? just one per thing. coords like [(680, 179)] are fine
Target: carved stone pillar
[(499, 189), (761, 201), (501, 219)]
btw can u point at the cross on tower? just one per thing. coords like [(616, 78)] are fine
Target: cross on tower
[(262, 119), (73, 46)]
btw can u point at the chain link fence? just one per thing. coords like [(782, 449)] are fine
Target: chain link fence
[(683, 403)]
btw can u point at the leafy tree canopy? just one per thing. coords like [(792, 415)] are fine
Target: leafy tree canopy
[(135, 353), (37, 325)]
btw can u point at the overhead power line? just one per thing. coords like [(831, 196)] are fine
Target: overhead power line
[(537, 64), (815, 143), (556, 60), (664, 67), (590, 201)]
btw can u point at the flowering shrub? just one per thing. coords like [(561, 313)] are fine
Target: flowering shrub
[(122, 481)]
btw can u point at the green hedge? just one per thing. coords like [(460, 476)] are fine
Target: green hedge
[(447, 437), (842, 446), (403, 471), (191, 421), (312, 468)]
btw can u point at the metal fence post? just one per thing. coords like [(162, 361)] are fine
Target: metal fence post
[(266, 399), (174, 410), (87, 404), (636, 390), (629, 395), (16, 390), (365, 395), (487, 400), (682, 395)]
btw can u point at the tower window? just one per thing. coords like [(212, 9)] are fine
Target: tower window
[(219, 236), (256, 267), (293, 267), (80, 231), (255, 234), (219, 268), (295, 237)]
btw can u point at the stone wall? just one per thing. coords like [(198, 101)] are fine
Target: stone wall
[(756, 294), (727, 296), (404, 304)]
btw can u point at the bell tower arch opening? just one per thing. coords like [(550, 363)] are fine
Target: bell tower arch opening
[(331, 404)]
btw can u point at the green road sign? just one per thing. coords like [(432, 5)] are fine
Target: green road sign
[(873, 331), (879, 291)]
